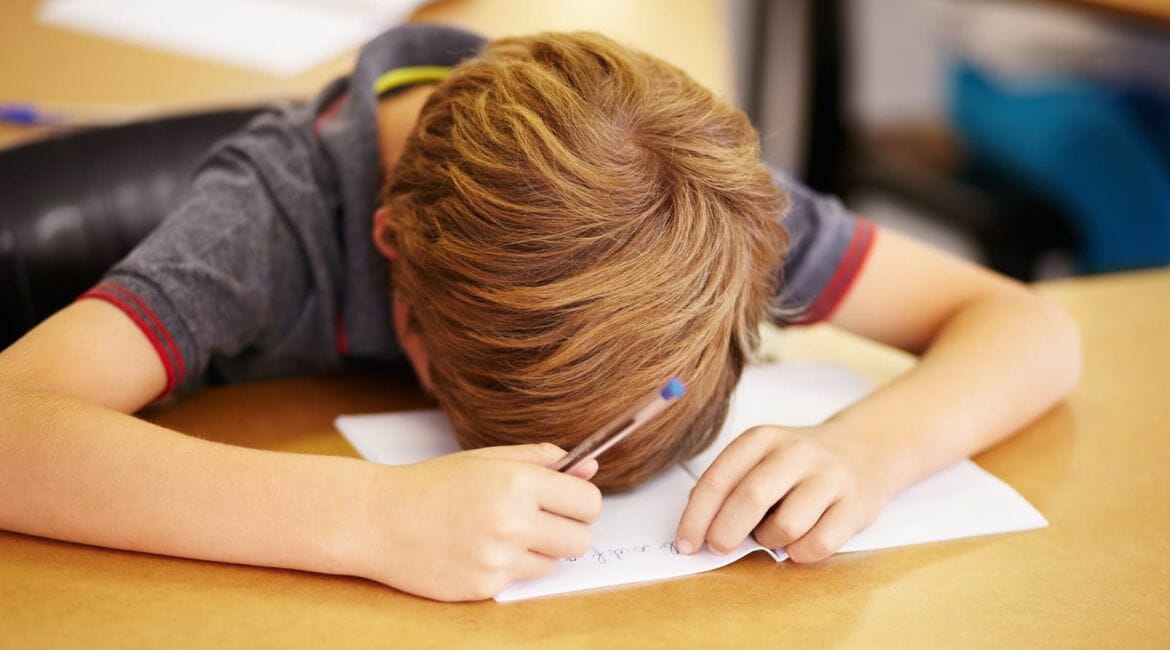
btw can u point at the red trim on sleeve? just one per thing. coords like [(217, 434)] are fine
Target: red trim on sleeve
[(328, 112), (100, 293), (847, 271), (166, 334), (340, 337)]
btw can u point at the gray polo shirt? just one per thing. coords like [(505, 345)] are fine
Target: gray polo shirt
[(267, 268)]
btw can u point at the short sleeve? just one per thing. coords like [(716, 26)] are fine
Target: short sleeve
[(238, 279), (828, 246)]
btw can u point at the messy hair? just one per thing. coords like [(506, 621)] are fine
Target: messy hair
[(577, 221)]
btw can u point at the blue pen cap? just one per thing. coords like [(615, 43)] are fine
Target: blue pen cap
[(18, 114), (673, 389)]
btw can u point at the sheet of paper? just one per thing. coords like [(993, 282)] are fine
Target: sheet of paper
[(960, 501), (632, 541), (399, 438), (277, 37), (794, 395), (963, 500)]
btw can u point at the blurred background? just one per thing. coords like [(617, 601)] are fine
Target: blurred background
[(1032, 136)]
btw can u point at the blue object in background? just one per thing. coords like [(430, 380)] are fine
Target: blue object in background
[(1100, 155)]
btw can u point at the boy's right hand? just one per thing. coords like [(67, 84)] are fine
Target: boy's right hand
[(463, 526)]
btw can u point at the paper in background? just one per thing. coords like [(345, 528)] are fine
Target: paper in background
[(276, 37)]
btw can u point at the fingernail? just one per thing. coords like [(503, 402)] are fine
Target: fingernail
[(684, 547)]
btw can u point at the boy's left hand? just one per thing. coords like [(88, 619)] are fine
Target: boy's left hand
[(801, 488)]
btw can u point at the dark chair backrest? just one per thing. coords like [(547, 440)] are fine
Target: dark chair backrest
[(71, 205)]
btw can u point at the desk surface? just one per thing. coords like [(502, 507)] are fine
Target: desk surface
[(1098, 576)]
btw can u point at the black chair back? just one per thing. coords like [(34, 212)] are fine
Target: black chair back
[(72, 205)]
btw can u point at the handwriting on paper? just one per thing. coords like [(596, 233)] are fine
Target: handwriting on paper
[(608, 554)]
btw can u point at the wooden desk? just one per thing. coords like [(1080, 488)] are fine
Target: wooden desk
[(42, 63), (1149, 12), (1098, 576)]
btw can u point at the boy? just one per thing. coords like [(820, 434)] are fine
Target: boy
[(564, 223)]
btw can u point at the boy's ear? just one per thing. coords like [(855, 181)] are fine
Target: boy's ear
[(382, 220)]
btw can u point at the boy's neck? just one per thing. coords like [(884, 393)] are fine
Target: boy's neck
[(397, 115)]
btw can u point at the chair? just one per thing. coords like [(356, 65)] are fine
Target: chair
[(73, 204)]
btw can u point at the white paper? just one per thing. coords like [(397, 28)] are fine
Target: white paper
[(399, 438), (795, 395), (633, 539), (278, 37), (963, 500)]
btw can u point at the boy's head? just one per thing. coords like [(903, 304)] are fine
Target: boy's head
[(575, 222)]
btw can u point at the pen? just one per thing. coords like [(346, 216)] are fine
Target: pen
[(71, 114), (27, 115), (623, 425)]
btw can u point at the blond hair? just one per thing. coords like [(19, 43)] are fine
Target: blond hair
[(576, 222)]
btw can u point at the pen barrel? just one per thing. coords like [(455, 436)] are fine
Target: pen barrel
[(615, 430)]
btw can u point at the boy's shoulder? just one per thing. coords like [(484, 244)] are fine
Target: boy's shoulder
[(266, 268)]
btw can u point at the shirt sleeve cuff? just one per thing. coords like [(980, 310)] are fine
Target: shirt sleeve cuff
[(145, 318), (841, 282)]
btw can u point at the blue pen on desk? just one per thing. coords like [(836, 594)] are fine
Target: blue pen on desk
[(640, 413), (80, 114), (29, 115)]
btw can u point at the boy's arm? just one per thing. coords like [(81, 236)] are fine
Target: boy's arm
[(995, 355), (74, 466)]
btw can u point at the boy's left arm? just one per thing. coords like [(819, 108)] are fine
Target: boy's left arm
[(995, 355)]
